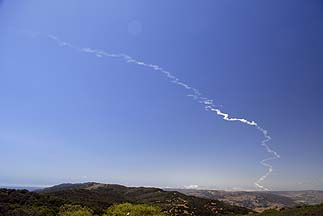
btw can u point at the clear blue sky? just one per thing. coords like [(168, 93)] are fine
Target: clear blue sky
[(68, 116)]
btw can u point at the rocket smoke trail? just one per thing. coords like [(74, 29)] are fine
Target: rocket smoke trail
[(193, 93)]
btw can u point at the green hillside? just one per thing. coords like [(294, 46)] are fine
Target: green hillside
[(98, 197), (115, 200)]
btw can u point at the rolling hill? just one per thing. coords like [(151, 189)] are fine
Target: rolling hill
[(258, 201), (100, 196), (308, 197)]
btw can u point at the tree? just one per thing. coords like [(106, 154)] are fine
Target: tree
[(74, 210), (127, 209)]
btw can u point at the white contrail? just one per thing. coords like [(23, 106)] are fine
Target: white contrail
[(194, 93)]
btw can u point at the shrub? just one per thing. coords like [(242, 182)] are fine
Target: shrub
[(74, 210), (128, 209)]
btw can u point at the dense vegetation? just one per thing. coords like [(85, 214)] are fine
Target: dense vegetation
[(25, 203), (133, 210), (114, 200), (74, 210), (95, 199), (114, 210)]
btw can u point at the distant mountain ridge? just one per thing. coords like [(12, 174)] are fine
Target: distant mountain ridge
[(258, 200), (30, 188), (309, 197)]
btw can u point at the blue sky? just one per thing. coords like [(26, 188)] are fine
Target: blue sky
[(69, 116)]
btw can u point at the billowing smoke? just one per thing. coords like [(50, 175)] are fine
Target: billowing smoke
[(195, 94)]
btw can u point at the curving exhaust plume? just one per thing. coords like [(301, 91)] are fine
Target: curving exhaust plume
[(192, 92)]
